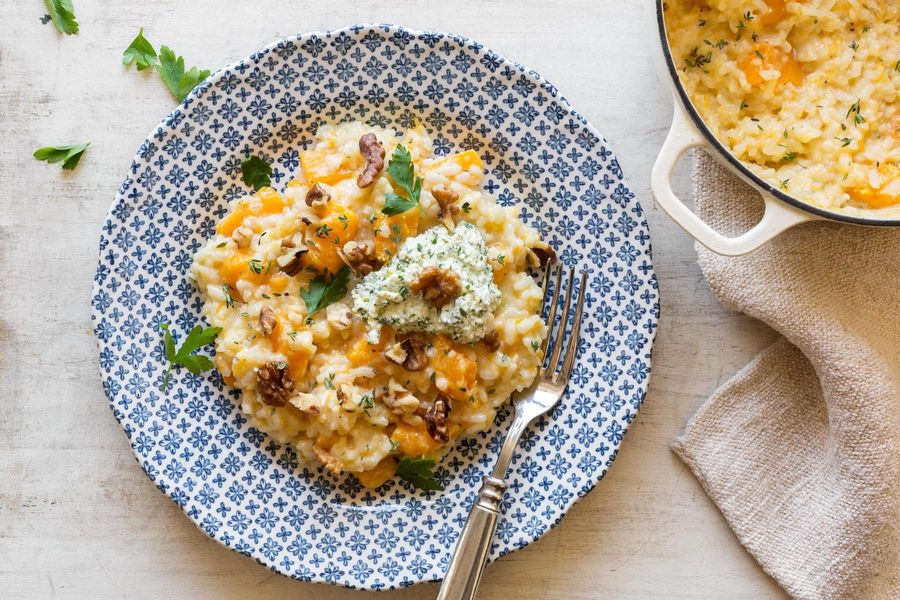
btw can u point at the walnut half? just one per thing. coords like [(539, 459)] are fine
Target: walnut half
[(274, 383), (437, 286), (373, 152)]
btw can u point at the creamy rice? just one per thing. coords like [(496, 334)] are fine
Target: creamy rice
[(338, 411), (803, 92)]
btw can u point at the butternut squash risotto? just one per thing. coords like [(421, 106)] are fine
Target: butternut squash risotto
[(378, 309), (805, 92)]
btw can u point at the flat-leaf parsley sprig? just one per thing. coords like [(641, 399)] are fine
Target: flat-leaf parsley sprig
[(140, 52), (69, 155), (401, 171), (196, 339), (256, 172), (322, 292), (63, 15), (419, 472), (171, 71)]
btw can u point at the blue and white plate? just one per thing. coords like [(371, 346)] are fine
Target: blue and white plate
[(251, 493)]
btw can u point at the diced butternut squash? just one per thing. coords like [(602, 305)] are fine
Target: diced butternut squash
[(264, 202), (777, 12), (414, 441), (327, 166), (455, 367), (383, 471), (238, 266), (872, 197), (391, 231), (279, 282), (763, 58), (338, 226)]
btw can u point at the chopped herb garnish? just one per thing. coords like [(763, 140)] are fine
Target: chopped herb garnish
[(854, 110), (196, 339), (69, 155), (323, 230), (292, 335), (790, 156), (221, 244), (466, 207), (366, 401), (535, 345), (418, 471), (255, 265), (698, 60), (256, 172), (229, 299), (328, 382), (321, 293), (845, 142)]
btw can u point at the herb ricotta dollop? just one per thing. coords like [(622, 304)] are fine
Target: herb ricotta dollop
[(383, 297)]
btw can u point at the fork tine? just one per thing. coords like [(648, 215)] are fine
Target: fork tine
[(575, 336), (563, 321), (551, 314)]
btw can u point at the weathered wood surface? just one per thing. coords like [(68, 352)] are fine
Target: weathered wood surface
[(78, 518)]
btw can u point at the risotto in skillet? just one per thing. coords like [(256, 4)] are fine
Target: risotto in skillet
[(378, 309), (805, 92)]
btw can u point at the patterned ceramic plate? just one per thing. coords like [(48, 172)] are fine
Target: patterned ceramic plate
[(247, 491)]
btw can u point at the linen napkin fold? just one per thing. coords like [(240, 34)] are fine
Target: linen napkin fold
[(801, 449)]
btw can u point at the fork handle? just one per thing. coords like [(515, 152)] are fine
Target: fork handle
[(464, 574)]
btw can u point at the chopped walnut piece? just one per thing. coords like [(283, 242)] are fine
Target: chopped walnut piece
[(446, 206), (373, 152), (242, 236), (274, 383), (541, 256), (436, 419), (492, 340), (338, 315), (317, 196), (399, 399), (345, 398), (267, 320), (332, 465), (409, 353), (291, 261), (360, 256), (438, 286), (306, 402)]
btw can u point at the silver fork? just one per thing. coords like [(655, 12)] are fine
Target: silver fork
[(469, 557)]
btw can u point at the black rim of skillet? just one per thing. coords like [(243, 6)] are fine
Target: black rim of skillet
[(724, 153)]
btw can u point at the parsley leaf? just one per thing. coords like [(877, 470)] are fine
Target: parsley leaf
[(69, 155), (171, 70), (401, 171), (418, 471), (196, 339), (256, 172), (140, 52), (394, 204), (63, 14), (321, 293)]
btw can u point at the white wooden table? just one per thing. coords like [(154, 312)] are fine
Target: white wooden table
[(78, 518)]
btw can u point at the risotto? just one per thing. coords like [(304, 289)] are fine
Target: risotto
[(804, 92), (378, 309)]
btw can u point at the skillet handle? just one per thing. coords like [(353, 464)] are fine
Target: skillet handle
[(682, 137)]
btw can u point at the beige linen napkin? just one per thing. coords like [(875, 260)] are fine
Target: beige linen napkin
[(801, 449)]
